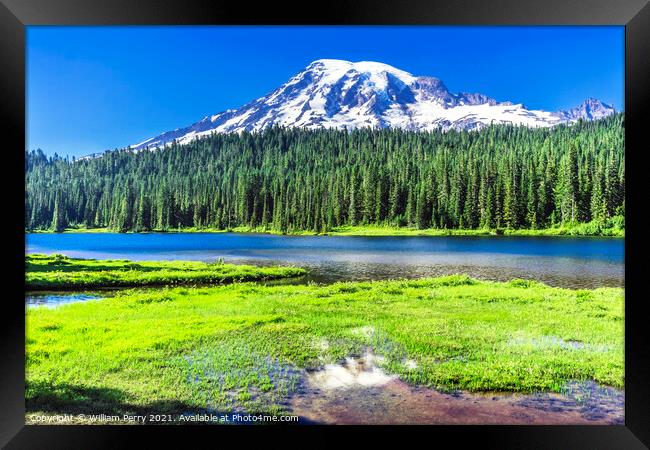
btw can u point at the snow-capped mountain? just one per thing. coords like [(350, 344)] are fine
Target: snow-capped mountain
[(331, 93), (590, 109)]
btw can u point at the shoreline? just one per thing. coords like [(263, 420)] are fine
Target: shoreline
[(367, 231), (63, 273)]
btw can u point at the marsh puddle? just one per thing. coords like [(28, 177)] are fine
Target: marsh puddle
[(548, 342), (357, 391), (231, 378), (54, 299), (354, 372)]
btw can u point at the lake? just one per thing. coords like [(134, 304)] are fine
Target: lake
[(574, 262)]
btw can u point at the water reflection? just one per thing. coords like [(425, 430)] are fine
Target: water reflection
[(54, 299)]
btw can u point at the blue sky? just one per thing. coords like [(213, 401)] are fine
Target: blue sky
[(95, 88)]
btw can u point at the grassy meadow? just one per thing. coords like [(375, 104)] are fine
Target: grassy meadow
[(245, 346)]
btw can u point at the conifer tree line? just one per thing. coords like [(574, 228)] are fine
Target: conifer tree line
[(289, 179)]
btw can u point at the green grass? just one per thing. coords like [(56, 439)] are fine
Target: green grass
[(377, 230), (614, 227), (242, 347), (54, 272), (73, 230), (611, 228)]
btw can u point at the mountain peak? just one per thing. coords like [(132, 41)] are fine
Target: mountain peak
[(335, 69), (361, 66), (595, 103), (590, 109), (334, 93)]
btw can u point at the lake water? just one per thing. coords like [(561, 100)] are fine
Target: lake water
[(558, 261)]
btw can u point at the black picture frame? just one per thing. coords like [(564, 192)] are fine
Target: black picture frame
[(16, 14)]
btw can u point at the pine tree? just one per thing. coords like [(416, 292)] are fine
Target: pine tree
[(423, 211), (59, 222)]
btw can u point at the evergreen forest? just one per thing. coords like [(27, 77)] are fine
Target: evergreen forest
[(288, 180)]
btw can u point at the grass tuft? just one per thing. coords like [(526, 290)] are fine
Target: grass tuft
[(54, 272)]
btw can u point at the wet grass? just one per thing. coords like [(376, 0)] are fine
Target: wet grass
[(59, 272), (245, 347)]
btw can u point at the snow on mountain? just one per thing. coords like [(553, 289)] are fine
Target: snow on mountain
[(590, 109), (332, 93)]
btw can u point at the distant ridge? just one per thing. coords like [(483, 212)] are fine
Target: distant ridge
[(332, 93)]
